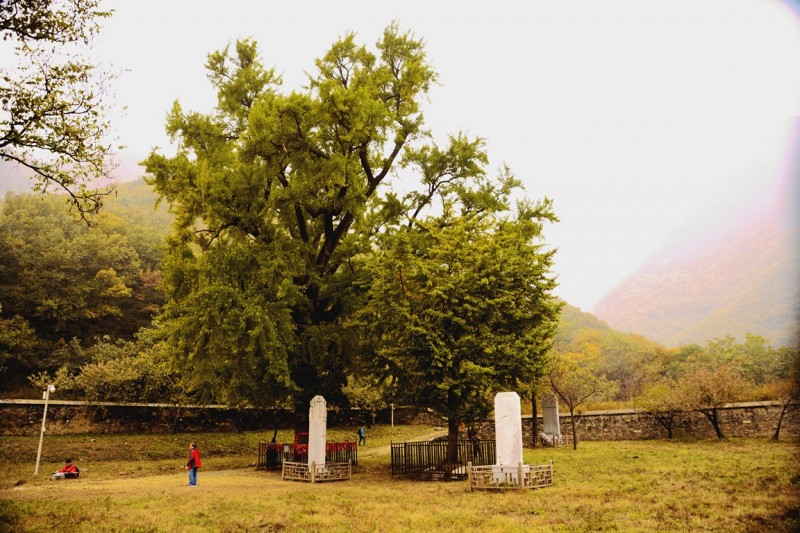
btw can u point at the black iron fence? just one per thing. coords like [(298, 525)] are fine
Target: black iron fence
[(438, 460), (272, 456)]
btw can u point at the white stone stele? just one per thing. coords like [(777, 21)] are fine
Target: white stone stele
[(508, 437), (317, 431), (552, 424), (508, 428)]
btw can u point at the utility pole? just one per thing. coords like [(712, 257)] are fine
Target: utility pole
[(46, 398)]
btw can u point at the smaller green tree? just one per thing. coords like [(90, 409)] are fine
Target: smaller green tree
[(459, 306), (574, 378), (709, 389), (664, 401)]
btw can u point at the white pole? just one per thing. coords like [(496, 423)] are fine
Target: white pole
[(46, 397), (391, 436)]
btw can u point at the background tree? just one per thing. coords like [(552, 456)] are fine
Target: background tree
[(459, 306), (18, 351), (664, 400), (63, 283), (53, 115), (709, 389), (67, 280), (787, 392), (574, 378)]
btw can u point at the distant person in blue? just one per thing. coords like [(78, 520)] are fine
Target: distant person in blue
[(362, 436)]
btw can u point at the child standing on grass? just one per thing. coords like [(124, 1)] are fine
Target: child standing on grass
[(193, 464)]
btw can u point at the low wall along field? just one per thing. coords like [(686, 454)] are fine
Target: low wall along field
[(24, 417)]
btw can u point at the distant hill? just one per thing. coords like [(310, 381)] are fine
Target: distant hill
[(741, 277), (17, 178)]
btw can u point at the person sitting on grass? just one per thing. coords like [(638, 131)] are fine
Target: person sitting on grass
[(68, 471)]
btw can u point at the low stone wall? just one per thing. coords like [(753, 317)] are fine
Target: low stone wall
[(757, 419), (24, 417)]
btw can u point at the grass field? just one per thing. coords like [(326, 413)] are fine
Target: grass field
[(703, 485)]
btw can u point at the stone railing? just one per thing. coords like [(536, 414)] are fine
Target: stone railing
[(314, 473)]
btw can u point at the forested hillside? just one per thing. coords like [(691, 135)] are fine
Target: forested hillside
[(65, 284)]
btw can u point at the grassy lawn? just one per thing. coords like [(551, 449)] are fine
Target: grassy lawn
[(732, 485)]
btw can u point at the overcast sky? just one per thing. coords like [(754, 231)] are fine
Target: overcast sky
[(644, 120)]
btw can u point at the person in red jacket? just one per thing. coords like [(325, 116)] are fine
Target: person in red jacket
[(193, 464), (68, 471)]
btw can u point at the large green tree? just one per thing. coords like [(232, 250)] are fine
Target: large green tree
[(460, 306), (274, 195), (53, 101)]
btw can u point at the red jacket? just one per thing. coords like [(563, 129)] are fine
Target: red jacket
[(194, 459), (69, 468)]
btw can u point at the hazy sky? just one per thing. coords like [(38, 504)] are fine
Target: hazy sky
[(644, 120)]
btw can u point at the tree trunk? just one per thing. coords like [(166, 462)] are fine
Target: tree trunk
[(574, 435), (452, 441), (711, 414), (784, 406), (534, 421), (666, 420), (176, 419)]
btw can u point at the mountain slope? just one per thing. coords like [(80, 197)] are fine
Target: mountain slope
[(741, 277)]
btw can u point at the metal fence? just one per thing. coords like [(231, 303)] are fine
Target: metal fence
[(431, 460), (272, 456)]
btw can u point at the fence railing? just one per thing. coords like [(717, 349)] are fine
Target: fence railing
[(272, 456), (438, 459), (485, 477), (315, 473)]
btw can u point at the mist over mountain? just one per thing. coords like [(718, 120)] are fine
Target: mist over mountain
[(17, 178), (742, 276)]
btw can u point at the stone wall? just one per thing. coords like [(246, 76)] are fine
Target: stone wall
[(758, 419), (24, 417)]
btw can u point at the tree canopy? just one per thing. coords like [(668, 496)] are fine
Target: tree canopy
[(459, 308), (281, 198)]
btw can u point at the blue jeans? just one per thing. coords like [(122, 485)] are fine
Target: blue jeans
[(193, 476)]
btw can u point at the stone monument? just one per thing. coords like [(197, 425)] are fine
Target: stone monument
[(316, 468), (508, 437), (509, 472), (508, 428), (551, 435), (317, 431)]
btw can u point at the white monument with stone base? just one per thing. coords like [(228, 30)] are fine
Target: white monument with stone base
[(509, 472), (316, 469), (317, 431), (508, 437)]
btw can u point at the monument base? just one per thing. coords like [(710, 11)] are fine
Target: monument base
[(505, 477), (314, 473)]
